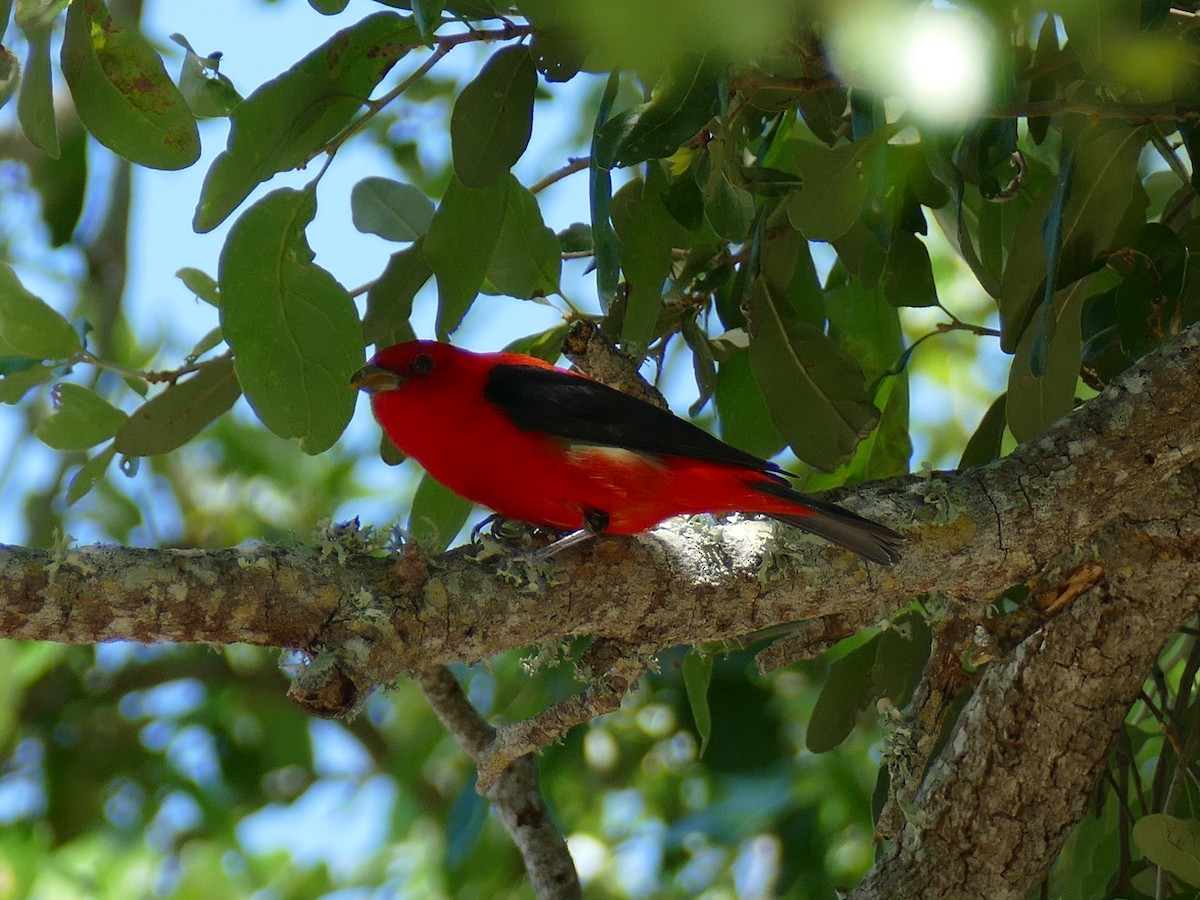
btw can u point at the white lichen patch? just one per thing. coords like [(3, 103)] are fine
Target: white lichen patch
[(358, 650), (545, 656), (59, 552), (345, 539), (707, 550), (177, 591), (248, 560)]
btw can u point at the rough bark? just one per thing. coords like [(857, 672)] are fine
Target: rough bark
[(1026, 752)]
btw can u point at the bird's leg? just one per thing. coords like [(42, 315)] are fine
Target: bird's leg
[(497, 536), (594, 523), (528, 567), (483, 523)]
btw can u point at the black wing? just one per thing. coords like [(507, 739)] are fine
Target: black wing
[(578, 409)]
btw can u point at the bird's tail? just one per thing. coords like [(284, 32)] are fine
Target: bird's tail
[(868, 539)]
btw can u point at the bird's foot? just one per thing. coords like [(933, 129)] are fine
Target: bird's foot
[(497, 537)]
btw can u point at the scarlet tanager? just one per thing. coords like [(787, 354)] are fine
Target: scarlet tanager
[(553, 448)]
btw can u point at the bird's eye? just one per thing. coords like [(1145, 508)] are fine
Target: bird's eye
[(422, 364)]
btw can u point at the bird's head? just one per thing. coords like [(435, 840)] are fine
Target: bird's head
[(414, 361)]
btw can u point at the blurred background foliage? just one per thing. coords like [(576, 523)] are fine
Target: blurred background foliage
[(923, 213)]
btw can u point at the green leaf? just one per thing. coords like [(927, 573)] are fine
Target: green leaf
[(685, 201), (390, 298), (6, 8), (493, 118), (745, 422), (62, 183), (731, 210), (1171, 843), (527, 261), (459, 246), (122, 92), (646, 262), (1035, 401), (88, 475), (787, 268), (290, 118), (697, 675), (29, 326), (328, 7), (16, 383), (604, 236), (814, 391), (176, 415), (907, 278), (867, 327), (835, 185), (1052, 241), (887, 664), (391, 209), (81, 419), (211, 339), (201, 284), (1103, 187), (35, 104), (985, 444), (294, 330), (438, 514), (1044, 84), (428, 16), (208, 93), (957, 217), (545, 345), (846, 691), (576, 237), (683, 101), (900, 659), (704, 364)]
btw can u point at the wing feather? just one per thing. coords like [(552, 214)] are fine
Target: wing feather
[(580, 410)]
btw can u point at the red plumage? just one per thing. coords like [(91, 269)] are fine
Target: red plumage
[(551, 447)]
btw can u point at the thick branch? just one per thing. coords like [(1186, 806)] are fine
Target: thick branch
[(974, 533), (1031, 743)]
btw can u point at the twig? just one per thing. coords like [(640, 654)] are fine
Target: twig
[(957, 324), (169, 376), (597, 358), (519, 739), (376, 106), (514, 791), (444, 46), (574, 164)]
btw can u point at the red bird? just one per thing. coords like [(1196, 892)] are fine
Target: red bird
[(557, 449)]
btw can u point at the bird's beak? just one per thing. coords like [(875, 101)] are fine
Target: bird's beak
[(372, 379)]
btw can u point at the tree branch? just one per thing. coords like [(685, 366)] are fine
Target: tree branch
[(515, 791), (1050, 712)]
